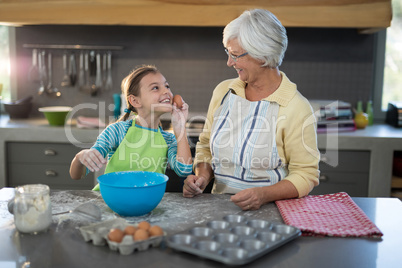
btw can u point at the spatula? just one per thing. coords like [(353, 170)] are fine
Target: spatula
[(87, 210)]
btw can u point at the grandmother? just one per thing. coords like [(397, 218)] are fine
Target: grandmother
[(259, 141)]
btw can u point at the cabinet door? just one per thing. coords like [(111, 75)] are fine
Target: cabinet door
[(344, 171), (46, 163), (56, 176), (29, 152), (355, 184)]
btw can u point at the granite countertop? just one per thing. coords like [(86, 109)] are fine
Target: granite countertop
[(174, 214), (64, 246)]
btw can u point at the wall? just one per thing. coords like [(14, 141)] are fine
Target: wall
[(325, 63)]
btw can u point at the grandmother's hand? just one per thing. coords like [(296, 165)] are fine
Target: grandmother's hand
[(194, 185), (249, 199)]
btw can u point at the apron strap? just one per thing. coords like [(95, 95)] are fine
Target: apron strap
[(227, 93)]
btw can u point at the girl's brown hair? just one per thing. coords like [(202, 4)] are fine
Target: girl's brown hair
[(131, 86)]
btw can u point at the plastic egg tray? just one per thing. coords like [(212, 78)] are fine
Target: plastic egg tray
[(233, 239), (98, 234)]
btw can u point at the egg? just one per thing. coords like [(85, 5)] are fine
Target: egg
[(116, 235), (144, 225), (178, 100), (129, 230), (140, 234), (155, 231)]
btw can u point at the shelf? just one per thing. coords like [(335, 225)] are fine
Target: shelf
[(366, 15), (72, 47)]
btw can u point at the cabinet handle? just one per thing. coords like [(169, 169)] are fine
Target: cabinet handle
[(50, 173), (324, 159), (323, 178), (50, 152)]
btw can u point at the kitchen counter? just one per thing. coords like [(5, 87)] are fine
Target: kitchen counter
[(63, 245), (381, 140)]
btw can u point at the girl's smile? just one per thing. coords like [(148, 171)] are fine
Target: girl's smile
[(155, 93), (153, 100)]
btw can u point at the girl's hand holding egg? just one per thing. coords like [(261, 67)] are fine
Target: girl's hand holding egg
[(179, 115), (178, 100)]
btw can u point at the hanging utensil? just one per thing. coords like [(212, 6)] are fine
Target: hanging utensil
[(104, 68), (42, 73), (33, 74), (86, 73), (109, 81), (81, 72), (72, 70), (98, 79), (92, 73), (65, 82), (51, 90), (44, 69)]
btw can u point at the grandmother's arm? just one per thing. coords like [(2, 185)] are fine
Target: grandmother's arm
[(254, 198), (301, 151)]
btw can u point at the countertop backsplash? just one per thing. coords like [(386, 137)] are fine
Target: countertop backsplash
[(324, 63)]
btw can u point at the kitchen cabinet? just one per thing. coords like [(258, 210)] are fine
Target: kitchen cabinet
[(45, 163), (396, 184), (344, 171), (360, 14)]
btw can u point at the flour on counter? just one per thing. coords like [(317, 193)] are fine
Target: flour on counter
[(174, 213)]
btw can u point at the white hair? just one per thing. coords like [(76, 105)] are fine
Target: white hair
[(261, 34)]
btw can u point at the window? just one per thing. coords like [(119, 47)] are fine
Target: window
[(4, 63), (392, 90)]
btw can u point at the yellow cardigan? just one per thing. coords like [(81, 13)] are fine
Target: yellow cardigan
[(296, 134)]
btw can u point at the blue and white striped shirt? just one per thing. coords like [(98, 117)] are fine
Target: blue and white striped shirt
[(111, 137)]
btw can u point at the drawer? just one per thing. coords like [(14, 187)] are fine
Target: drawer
[(56, 176), (28, 152), (355, 184), (345, 161)]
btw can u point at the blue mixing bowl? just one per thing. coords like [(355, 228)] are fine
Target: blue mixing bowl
[(132, 193)]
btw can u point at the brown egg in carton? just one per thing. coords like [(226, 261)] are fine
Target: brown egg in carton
[(110, 232)]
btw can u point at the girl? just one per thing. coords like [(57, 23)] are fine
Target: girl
[(140, 143)]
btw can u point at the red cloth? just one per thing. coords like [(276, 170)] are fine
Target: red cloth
[(327, 215)]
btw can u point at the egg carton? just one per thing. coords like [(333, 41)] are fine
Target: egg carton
[(98, 234), (233, 239)]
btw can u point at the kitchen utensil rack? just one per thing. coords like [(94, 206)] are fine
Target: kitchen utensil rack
[(72, 47), (69, 78)]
